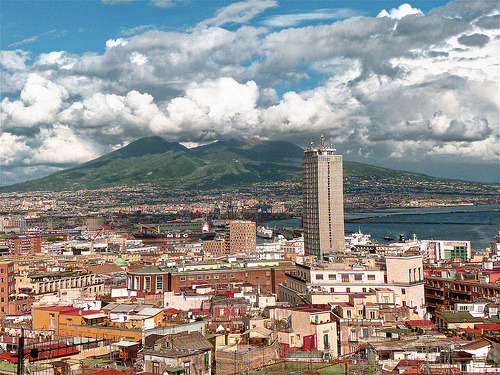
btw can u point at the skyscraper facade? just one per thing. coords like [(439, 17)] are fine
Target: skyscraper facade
[(322, 201)]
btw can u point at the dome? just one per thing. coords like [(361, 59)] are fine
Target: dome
[(120, 262)]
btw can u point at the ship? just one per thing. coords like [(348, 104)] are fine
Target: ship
[(173, 236), (264, 232), (176, 232)]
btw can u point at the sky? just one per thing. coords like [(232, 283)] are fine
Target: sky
[(411, 86)]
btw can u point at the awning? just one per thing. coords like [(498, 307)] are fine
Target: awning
[(95, 316), (125, 343)]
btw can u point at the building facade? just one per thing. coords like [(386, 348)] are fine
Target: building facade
[(322, 201), (7, 285), (241, 237), (155, 280), (214, 248)]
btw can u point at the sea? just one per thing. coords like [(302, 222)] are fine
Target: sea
[(477, 224)]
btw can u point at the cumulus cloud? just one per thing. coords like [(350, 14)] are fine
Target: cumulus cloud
[(61, 145), (13, 60), (39, 103), (403, 86), (12, 149), (402, 11)]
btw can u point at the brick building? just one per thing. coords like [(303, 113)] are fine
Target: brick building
[(441, 292), (241, 236), (216, 248), (25, 245), (156, 280), (7, 285)]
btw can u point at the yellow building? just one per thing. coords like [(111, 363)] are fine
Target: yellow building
[(70, 321)]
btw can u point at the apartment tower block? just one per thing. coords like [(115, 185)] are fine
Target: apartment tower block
[(322, 201), (241, 236)]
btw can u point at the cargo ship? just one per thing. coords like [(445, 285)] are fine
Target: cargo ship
[(177, 232)]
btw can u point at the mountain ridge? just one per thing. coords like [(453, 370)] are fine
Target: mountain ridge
[(223, 164)]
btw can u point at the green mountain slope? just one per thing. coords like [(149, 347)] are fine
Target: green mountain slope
[(223, 164)]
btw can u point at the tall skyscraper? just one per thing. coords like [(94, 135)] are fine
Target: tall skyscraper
[(322, 201)]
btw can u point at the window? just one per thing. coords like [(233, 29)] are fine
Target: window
[(371, 277), (224, 276), (372, 315), (137, 280), (2, 299), (191, 278), (207, 277), (2, 289), (216, 277), (159, 283), (325, 340), (403, 291), (268, 282), (319, 276), (231, 276), (155, 367), (345, 278), (2, 280), (70, 322), (358, 277), (348, 314), (348, 290), (352, 334), (182, 278), (268, 273), (199, 277), (332, 276), (1, 270), (364, 290), (360, 312), (147, 283), (365, 332)]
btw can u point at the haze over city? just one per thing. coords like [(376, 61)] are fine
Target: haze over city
[(406, 86)]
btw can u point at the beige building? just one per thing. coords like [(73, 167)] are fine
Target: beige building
[(241, 236), (322, 201), (400, 284), (214, 248)]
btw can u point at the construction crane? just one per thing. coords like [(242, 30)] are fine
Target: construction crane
[(150, 227)]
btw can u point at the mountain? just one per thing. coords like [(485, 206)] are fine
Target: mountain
[(153, 160), (222, 164)]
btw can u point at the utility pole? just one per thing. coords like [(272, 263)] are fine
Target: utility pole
[(20, 353)]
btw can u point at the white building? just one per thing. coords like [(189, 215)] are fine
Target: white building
[(322, 201)]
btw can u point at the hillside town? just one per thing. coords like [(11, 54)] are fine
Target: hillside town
[(192, 288)]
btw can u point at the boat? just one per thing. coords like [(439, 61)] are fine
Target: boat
[(174, 236), (264, 232), (388, 238)]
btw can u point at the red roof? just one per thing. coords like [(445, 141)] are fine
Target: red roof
[(47, 351), (65, 309), (171, 311), (488, 327)]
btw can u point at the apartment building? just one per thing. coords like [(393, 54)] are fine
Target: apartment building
[(403, 276), (158, 280), (241, 237), (7, 286)]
